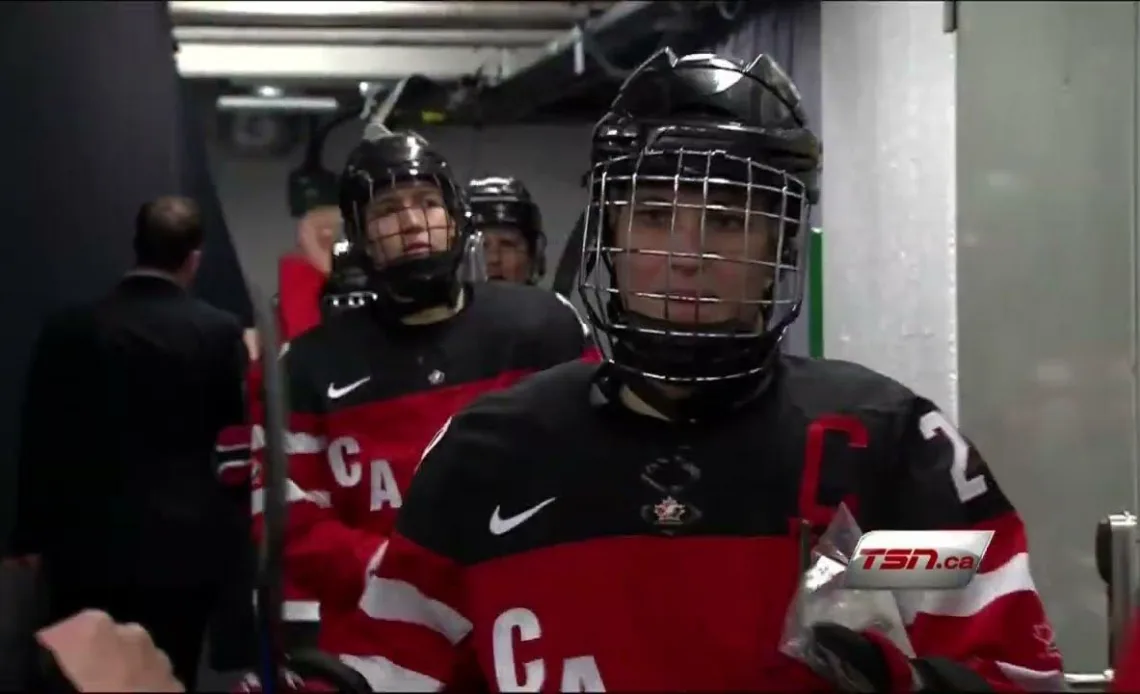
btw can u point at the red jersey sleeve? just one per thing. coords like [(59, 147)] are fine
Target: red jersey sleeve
[(234, 448), (415, 626), (323, 556), (233, 453), (996, 625), (299, 296)]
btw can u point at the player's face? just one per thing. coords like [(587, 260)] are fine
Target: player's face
[(408, 221), (507, 256), (672, 267)]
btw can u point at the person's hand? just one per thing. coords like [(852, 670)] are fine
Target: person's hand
[(97, 655), (316, 235), (252, 341)]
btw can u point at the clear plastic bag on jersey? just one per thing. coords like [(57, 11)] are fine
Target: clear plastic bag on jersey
[(822, 598)]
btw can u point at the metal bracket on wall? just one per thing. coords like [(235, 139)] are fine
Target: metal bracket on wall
[(949, 16)]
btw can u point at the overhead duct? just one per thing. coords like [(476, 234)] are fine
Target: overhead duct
[(530, 15), (596, 55)]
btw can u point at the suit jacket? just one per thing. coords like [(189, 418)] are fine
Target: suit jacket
[(125, 398)]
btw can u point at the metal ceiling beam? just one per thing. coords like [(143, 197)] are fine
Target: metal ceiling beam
[(366, 37), (551, 73), (324, 63), (623, 36), (382, 14)]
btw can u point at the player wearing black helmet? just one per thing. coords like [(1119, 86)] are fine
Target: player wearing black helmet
[(635, 526), (369, 387), (510, 222)]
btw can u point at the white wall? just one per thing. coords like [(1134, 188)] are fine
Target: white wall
[(888, 202)]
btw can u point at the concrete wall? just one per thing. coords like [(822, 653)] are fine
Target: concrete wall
[(888, 201)]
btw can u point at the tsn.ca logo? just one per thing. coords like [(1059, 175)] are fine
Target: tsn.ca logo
[(916, 559)]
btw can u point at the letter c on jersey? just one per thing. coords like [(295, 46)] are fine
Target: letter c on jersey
[(346, 472), (579, 674)]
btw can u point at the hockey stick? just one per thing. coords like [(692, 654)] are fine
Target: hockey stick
[(270, 560)]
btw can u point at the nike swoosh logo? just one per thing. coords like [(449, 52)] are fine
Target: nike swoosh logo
[(500, 525), (335, 392)]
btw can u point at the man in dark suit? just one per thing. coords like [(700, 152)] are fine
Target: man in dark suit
[(125, 398)]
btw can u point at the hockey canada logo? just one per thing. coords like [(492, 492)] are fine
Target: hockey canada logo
[(670, 512)]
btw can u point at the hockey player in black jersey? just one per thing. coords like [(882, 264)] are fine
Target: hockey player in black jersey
[(633, 526), (368, 387)]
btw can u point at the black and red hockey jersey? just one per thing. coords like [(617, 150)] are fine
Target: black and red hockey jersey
[(366, 398), (555, 541)]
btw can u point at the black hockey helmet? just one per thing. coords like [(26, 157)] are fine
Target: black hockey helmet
[(702, 176), (406, 276), (503, 201)]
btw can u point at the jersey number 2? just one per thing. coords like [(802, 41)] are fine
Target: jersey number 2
[(934, 423)]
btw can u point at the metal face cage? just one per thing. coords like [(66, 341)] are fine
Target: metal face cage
[(398, 219), (695, 251)]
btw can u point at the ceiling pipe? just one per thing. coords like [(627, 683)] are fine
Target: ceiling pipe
[(505, 38), (388, 14)]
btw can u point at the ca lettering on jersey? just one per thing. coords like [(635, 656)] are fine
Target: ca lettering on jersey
[(347, 470), (519, 625)]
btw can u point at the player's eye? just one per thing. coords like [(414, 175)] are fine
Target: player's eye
[(724, 220), (652, 215), (379, 210)]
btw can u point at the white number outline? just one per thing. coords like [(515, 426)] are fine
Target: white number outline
[(934, 423)]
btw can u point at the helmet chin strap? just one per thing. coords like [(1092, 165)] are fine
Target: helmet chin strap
[(690, 400), (397, 300)]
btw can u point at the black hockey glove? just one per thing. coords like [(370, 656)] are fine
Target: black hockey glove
[(869, 662)]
